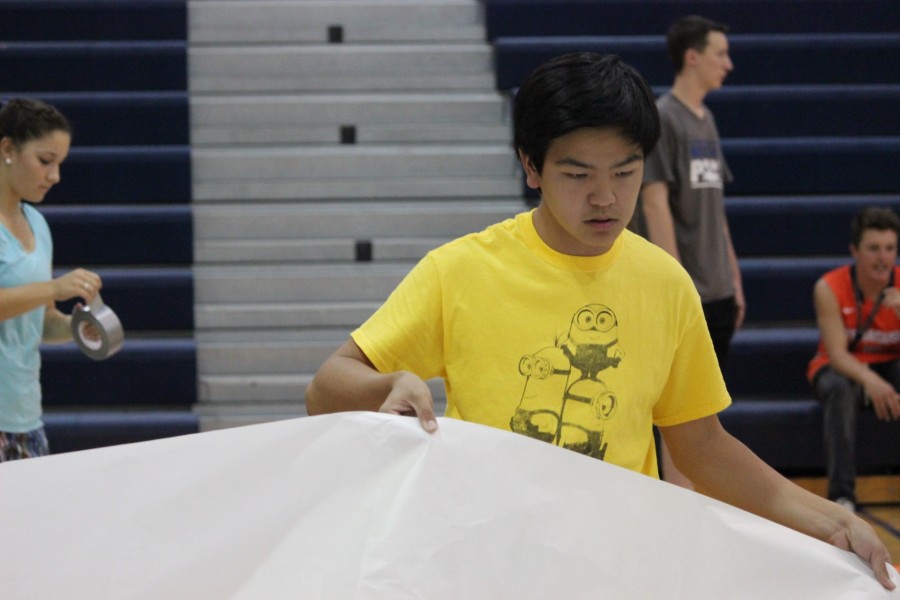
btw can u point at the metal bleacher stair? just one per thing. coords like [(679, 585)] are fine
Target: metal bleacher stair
[(334, 143)]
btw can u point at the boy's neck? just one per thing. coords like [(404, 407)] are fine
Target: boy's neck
[(689, 94)]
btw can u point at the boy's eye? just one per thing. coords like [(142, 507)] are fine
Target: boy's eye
[(625, 173), (576, 175)]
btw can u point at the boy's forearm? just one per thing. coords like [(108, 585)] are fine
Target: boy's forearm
[(724, 468), (346, 384)]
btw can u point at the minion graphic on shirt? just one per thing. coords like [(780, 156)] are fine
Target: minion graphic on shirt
[(564, 401)]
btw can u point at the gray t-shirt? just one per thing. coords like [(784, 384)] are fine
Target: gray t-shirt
[(689, 159)]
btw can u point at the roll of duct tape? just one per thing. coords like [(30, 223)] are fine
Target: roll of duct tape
[(109, 334)]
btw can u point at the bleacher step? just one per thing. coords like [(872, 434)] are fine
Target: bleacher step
[(337, 109), (264, 357), (436, 216), (391, 21), (332, 67), (301, 172), (243, 393), (312, 250), (292, 283), (363, 135), (375, 118), (350, 162), (260, 315), (473, 187)]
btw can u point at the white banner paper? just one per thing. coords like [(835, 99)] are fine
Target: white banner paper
[(364, 505)]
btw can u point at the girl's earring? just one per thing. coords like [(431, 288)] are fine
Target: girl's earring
[(7, 160)]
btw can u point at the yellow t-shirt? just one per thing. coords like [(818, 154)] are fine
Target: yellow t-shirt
[(583, 352)]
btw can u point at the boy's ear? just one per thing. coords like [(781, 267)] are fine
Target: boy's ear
[(690, 57), (532, 177)]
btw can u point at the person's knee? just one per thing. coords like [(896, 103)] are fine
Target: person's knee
[(832, 388)]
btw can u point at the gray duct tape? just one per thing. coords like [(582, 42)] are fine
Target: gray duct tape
[(105, 323)]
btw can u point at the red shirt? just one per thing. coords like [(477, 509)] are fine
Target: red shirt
[(881, 341)]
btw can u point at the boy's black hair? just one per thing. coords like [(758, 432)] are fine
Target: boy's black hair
[(583, 89)]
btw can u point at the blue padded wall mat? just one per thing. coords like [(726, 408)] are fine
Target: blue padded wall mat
[(121, 235), (131, 118), (816, 225), (145, 372), (780, 288), (125, 175), (69, 432), (25, 20), (852, 110), (788, 59), (94, 66), (147, 299), (630, 17), (788, 435), (771, 361), (813, 165)]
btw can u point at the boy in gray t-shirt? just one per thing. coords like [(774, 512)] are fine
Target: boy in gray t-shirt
[(682, 197), (688, 158)]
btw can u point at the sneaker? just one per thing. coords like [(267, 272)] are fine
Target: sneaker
[(846, 503)]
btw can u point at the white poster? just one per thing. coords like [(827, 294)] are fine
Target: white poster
[(364, 505)]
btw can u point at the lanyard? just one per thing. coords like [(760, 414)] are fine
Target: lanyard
[(861, 327)]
